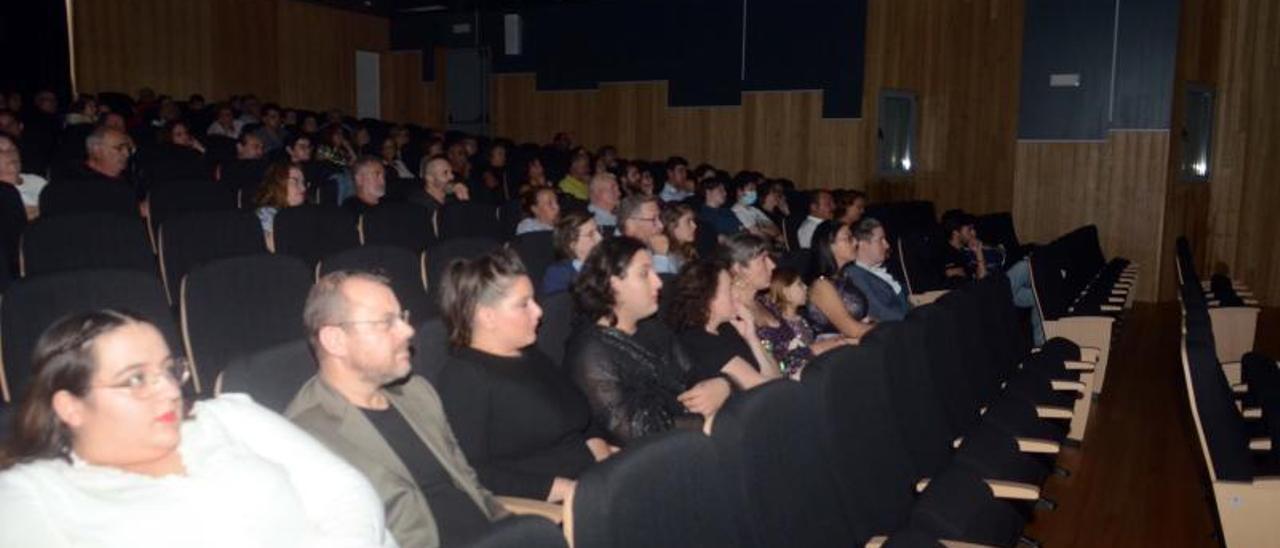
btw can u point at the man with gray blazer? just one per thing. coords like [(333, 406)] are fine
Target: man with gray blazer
[(393, 430), (886, 298)]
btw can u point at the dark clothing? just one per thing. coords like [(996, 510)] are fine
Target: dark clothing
[(13, 222), (712, 352), (855, 302), (520, 421), (631, 390), (558, 277), (244, 176), (883, 303), (356, 207), (721, 219), (458, 519), (88, 191)]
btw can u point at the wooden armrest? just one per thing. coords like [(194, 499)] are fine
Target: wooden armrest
[(1036, 445), (1051, 412), (1110, 308), (1072, 365), (522, 506), (1002, 489), (1114, 300), (1260, 444), (879, 540), (1068, 386), (1252, 412), (1242, 388), (1090, 354)]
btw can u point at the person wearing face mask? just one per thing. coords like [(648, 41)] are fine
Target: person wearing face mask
[(371, 185), (523, 426), (886, 298), (753, 220)]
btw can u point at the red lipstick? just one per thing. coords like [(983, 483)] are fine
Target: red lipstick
[(168, 418)]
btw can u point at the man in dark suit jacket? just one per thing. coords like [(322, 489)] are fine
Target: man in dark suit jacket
[(886, 297)]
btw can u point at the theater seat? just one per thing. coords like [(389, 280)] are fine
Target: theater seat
[(312, 232), (86, 240)]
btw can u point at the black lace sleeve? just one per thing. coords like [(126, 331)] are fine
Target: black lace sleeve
[(626, 395)]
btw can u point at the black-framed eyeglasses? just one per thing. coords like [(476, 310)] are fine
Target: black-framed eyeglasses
[(144, 383), (384, 323)]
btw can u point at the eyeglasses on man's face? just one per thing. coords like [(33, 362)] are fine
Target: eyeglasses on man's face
[(384, 324), (143, 383)]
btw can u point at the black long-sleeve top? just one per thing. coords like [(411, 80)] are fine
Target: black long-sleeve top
[(520, 421)]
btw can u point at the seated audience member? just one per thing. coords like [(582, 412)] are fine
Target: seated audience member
[(633, 391), (334, 147), (542, 207), (749, 216), (791, 339), (366, 406), (371, 186), (604, 197), (681, 230), (679, 186), (965, 257), (438, 186), (104, 453), (178, 134), (886, 297), (773, 202), (575, 236), (99, 184), (712, 214), (27, 185), (272, 132), (820, 209), (249, 147), (491, 183), (575, 182), (849, 206), (523, 425), (389, 152), (226, 124), (631, 180), (640, 217), (535, 175), (297, 146), (836, 305), (718, 332), (284, 186)]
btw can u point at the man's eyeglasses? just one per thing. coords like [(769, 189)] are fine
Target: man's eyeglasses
[(144, 383), (384, 324)]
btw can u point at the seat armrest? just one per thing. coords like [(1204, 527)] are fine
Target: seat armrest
[(1064, 386), (1051, 412), (1072, 365), (523, 506), (1012, 490), (1260, 444), (1036, 445)]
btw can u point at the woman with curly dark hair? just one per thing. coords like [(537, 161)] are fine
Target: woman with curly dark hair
[(719, 332), (632, 389)]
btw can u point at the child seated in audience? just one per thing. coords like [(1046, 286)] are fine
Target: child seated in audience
[(681, 229), (632, 390), (575, 236), (105, 453), (521, 422), (719, 333)]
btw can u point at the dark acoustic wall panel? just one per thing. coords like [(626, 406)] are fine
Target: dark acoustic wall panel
[(694, 45), (1066, 37), (1145, 58)]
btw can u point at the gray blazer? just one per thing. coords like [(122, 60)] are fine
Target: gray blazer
[(320, 410), (882, 303)]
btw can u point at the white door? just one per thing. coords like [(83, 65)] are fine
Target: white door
[(368, 85)]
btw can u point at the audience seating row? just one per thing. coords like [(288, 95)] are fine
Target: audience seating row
[(1236, 411)]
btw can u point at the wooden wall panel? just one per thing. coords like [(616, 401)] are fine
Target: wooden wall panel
[(1244, 196), (405, 97), (126, 45), (317, 53), (1118, 185), (965, 74), (245, 55)]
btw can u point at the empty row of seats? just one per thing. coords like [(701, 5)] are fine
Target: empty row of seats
[(1235, 407)]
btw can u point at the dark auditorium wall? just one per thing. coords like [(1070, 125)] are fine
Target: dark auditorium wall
[(297, 53), (966, 76)]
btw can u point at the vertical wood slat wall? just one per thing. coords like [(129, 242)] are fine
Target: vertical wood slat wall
[(962, 57)]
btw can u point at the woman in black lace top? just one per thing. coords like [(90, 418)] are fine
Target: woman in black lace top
[(632, 390)]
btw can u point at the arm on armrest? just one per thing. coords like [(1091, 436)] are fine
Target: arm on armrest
[(522, 506)]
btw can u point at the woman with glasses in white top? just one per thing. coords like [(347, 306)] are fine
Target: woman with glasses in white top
[(105, 453)]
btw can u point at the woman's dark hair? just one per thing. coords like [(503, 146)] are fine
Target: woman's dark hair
[(469, 283), (691, 294), (741, 248), (707, 185), (62, 360), (529, 198), (566, 232), (166, 133), (822, 259), (592, 293)]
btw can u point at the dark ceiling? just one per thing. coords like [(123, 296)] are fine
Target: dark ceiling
[(391, 8)]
